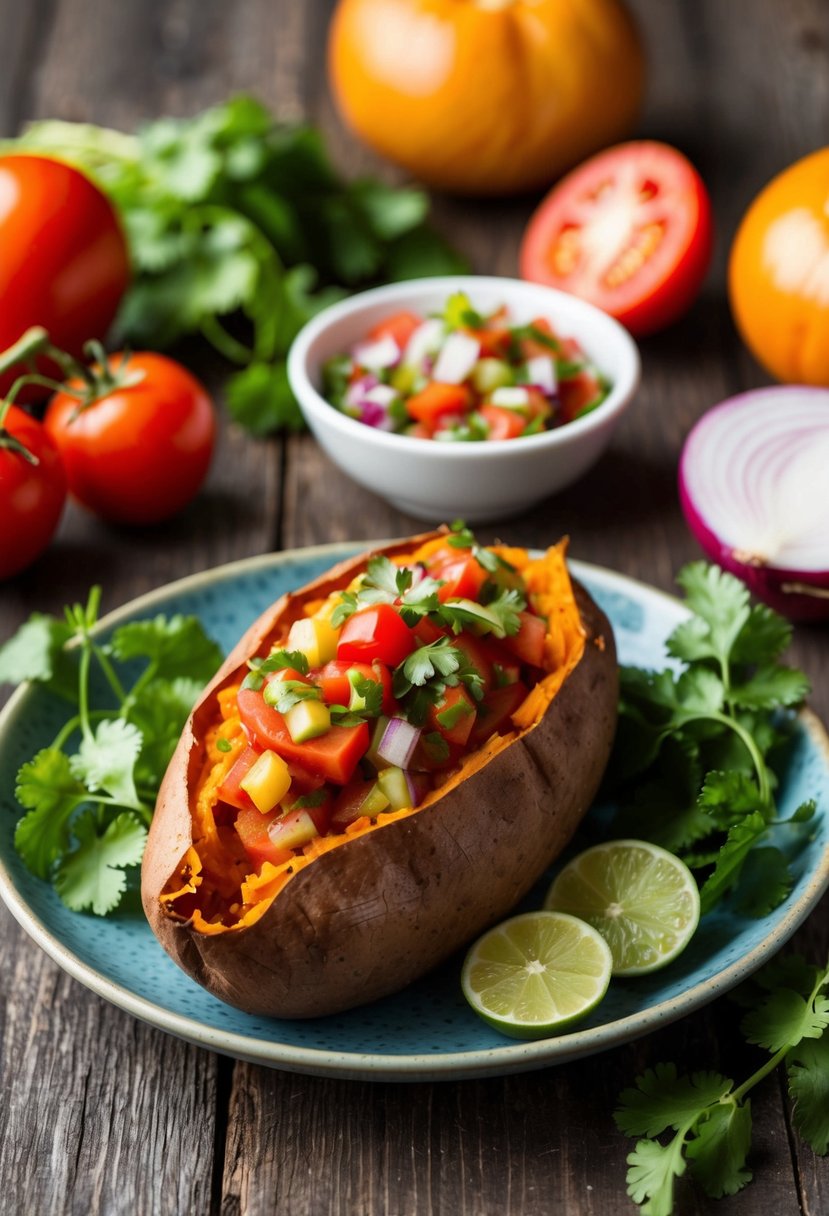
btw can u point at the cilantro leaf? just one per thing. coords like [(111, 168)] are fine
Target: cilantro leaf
[(741, 838), (650, 1177), (662, 1099), (719, 1149), (51, 793), (92, 875), (36, 652), (808, 1074), (771, 686), (159, 713), (765, 881), (423, 664), (177, 645), (260, 399), (106, 760), (784, 1018), (720, 600)]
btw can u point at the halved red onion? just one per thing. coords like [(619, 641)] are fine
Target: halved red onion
[(398, 742), (754, 487), (457, 357)]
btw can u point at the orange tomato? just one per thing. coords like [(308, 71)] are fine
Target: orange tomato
[(486, 96), (778, 274)]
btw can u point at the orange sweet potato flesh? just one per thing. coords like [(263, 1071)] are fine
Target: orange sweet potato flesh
[(381, 908)]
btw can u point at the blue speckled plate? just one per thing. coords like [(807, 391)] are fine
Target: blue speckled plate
[(426, 1031)]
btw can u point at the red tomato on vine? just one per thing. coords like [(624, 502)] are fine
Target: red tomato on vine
[(136, 445), (32, 489)]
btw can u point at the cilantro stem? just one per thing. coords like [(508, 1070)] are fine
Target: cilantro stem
[(748, 741), (109, 671), (83, 687), (738, 1094)]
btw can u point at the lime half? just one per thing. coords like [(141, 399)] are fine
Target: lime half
[(642, 899), (535, 974)]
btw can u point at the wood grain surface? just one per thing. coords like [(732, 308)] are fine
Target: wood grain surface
[(101, 1114)]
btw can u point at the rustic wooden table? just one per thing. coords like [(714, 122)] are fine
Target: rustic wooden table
[(100, 1113)]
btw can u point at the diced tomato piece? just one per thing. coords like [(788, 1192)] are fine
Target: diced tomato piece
[(475, 650), (576, 394), (377, 633), (494, 715), (426, 632), (400, 326), (462, 575), (530, 347), (495, 341), (538, 406), (348, 803), (502, 423), (528, 643), (230, 789), (454, 717), (333, 756), (332, 679), (320, 811), (252, 827), (286, 673), (436, 399)]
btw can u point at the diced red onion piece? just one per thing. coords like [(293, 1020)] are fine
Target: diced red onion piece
[(419, 785), (376, 355), (356, 392), (457, 357), (511, 398), (754, 487), (372, 414), (425, 341), (398, 743), (541, 373)]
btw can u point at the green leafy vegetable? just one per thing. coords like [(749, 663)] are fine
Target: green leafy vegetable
[(89, 796), (709, 1116), (699, 738), (232, 211)]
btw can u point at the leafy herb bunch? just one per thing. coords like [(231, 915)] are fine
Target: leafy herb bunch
[(89, 796), (696, 742), (709, 1116), (231, 210)]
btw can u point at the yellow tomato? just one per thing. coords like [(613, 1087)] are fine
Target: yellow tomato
[(778, 274), (486, 96)]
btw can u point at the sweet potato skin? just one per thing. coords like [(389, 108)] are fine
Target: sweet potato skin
[(372, 915)]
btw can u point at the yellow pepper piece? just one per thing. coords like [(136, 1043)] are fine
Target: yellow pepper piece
[(267, 781), (315, 638)]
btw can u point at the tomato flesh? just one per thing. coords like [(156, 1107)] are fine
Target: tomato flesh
[(630, 230), (230, 789), (528, 643), (332, 680), (252, 828), (376, 633), (332, 756)]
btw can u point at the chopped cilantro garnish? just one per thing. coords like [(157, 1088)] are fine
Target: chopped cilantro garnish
[(283, 695)]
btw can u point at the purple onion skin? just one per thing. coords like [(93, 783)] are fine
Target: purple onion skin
[(778, 588)]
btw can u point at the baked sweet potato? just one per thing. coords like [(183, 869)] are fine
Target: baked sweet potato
[(358, 914)]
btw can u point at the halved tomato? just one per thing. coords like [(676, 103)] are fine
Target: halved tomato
[(630, 230)]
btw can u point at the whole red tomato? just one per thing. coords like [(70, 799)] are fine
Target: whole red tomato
[(32, 490), (140, 452), (63, 258)]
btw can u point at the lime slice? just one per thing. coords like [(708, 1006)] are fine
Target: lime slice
[(535, 974), (642, 899)]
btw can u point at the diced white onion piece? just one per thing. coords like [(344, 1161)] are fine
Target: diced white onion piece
[(541, 372), (381, 394), (511, 398), (457, 357), (425, 340), (383, 353), (398, 743)]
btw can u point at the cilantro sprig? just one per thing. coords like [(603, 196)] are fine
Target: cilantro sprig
[(701, 1123), (89, 796), (699, 739), (232, 211), (421, 679)]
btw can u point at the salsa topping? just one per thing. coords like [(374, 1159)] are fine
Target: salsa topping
[(462, 376)]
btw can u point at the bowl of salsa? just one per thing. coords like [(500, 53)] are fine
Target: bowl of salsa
[(464, 396)]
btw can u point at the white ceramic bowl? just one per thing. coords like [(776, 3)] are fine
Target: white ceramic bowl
[(472, 481)]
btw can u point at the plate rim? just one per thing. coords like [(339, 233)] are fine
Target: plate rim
[(510, 1058)]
